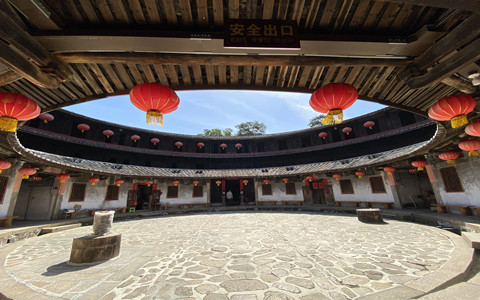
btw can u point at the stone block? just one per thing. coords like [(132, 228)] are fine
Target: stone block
[(90, 249), (370, 215), (472, 239), (59, 228)]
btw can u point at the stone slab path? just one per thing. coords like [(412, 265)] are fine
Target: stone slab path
[(238, 256)]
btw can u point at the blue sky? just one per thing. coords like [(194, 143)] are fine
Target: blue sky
[(198, 110)]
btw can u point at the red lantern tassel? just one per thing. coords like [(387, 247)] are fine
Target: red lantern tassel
[(8, 124), (154, 117), (459, 121), (473, 153)]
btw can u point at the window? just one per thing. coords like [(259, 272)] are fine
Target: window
[(376, 183), (290, 188), (346, 186), (172, 191), (112, 192), (450, 179), (267, 189), (3, 187), (197, 191), (78, 192)]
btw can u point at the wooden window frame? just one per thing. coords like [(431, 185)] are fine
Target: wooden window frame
[(197, 191), (290, 188), (384, 191), (343, 189), (117, 194), (84, 191), (267, 191), (3, 189), (169, 192), (446, 182)]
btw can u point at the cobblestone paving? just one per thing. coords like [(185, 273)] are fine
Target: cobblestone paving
[(238, 256)]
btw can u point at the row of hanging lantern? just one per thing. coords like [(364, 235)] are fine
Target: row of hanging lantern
[(347, 130)]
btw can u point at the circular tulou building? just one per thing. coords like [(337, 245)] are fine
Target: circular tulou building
[(415, 159)]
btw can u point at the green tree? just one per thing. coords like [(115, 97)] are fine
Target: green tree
[(316, 121), (251, 128), (216, 132)]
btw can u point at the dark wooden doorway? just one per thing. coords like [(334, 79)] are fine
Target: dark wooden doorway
[(215, 192)]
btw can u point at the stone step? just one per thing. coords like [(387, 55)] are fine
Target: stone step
[(59, 228), (472, 239)]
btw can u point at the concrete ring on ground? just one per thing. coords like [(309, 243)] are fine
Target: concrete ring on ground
[(247, 255)]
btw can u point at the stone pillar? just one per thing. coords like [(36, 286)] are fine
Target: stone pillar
[(255, 190), (13, 187), (392, 183), (433, 182)]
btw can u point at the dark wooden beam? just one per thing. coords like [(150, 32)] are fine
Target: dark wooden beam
[(227, 60), (467, 5), (38, 14), (27, 69), (24, 43), (456, 62), (9, 77), (458, 37)]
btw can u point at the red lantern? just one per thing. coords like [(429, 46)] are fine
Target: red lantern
[(93, 180), (148, 182), (135, 138), (200, 145), (178, 144), (218, 182), (238, 146), (223, 146), (196, 182), (389, 170), (154, 141), (83, 127), (16, 107), (337, 176), (332, 99), (449, 156), (4, 165), (310, 178), (347, 130), (46, 117), (473, 129), (175, 182), (108, 133), (323, 134), (359, 174), (155, 99), (369, 124), (266, 181), (285, 179), (454, 108), (119, 182), (471, 146), (245, 182), (27, 171), (419, 164), (63, 177)]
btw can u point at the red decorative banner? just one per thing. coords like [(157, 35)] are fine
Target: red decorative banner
[(320, 185), (255, 33), (223, 186), (315, 185), (241, 185), (306, 182), (134, 186), (155, 186)]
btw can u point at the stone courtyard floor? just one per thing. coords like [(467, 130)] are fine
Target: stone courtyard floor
[(238, 256)]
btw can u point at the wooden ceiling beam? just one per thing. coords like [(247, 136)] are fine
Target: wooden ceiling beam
[(38, 14), (27, 69), (456, 62), (228, 60), (467, 5), (459, 36)]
